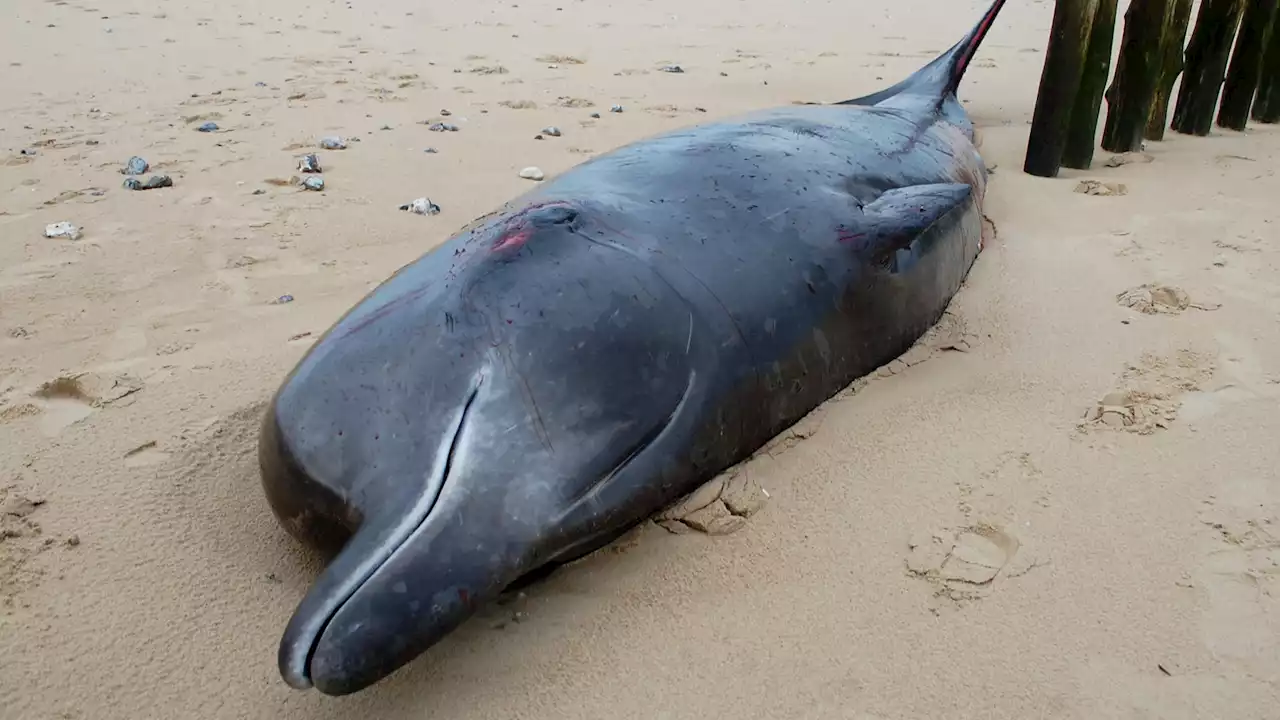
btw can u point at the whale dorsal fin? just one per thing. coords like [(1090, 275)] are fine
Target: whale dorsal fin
[(941, 77)]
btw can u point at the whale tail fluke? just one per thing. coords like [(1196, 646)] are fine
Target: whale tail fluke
[(940, 78)]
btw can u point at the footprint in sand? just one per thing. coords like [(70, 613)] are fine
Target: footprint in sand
[(719, 507), (964, 560), (69, 399), (1149, 396), (964, 563), (1103, 189), (1156, 299)]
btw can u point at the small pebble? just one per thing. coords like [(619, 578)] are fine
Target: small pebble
[(442, 127), (309, 163), (553, 131), (73, 541), (208, 127), (422, 206), (445, 113), (282, 300), (27, 152), (152, 183), (260, 84), (616, 108), (315, 182), (532, 173), (62, 230), (259, 191), (595, 115), (136, 166), (430, 151), (333, 142), (672, 69)]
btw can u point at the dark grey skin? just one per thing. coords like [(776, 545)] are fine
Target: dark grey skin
[(562, 369)]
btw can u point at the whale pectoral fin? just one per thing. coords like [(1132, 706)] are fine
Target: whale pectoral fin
[(913, 209), (899, 216), (899, 219)]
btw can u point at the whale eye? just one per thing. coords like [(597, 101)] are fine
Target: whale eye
[(520, 228), (555, 215)]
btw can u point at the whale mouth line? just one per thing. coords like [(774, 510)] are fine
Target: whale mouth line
[(297, 672)]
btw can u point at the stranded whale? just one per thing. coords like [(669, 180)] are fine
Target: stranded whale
[(565, 367)]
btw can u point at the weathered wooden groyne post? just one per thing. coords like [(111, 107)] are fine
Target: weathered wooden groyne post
[(1266, 106), (1172, 41), (1246, 64), (1133, 92), (1082, 129), (1059, 83), (1206, 65)]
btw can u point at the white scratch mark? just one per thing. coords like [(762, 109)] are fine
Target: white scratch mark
[(688, 342), (780, 212)]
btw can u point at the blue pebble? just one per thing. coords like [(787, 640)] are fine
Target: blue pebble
[(136, 166)]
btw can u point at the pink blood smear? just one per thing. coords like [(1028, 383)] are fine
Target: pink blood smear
[(512, 240)]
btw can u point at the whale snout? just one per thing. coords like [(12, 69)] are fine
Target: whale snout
[(425, 591), (461, 556), (420, 564)]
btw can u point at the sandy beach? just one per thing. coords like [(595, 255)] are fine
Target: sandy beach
[(1098, 406)]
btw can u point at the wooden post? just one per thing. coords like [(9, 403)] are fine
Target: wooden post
[(1172, 40), (1137, 74), (1083, 128), (1206, 65), (1059, 83), (1266, 107), (1246, 64)]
